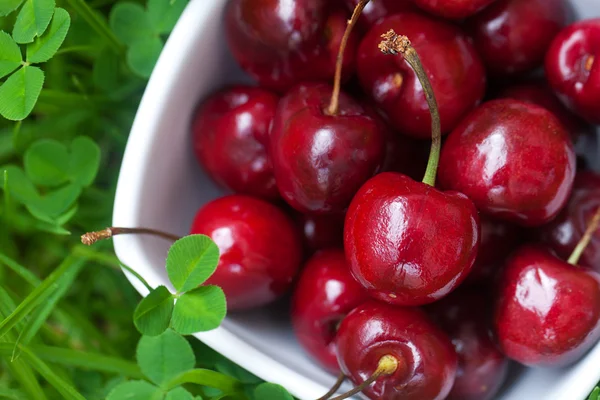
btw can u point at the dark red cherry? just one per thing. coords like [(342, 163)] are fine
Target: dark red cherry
[(426, 361), (538, 92), (449, 59), (280, 42), (513, 159), (321, 160), (321, 231), (512, 36), (563, 233), (259, 246), (378, 9), (498, 240), (548, 311), (406, 155), (325, 293), (408, 243), (465, 316), (453, 9), (573, 68), (230, 131)]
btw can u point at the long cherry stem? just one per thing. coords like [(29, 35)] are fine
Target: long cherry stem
[(92, 237), (387, 366), (396, 44), (340, 379), (585, 239), (334, 105)]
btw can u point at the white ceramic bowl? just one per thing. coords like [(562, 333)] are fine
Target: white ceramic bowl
[(161, 186)]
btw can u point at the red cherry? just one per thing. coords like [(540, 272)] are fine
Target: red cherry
[(513, 159), (280, 42), (406, 155), (453, 9), (321, 160), (538, 92), (482, 368), (426, 361), (548, 311), (407, 242), (325, 293), (573, 68), (230, 131), (498, 240), (378, 9), (565, 231), (259, 246), (321, 231), (449, 59), (512, 36)]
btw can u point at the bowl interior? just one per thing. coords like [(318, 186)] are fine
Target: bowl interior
[(162, 186)]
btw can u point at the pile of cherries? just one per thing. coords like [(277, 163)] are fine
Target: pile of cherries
[(412, 289)]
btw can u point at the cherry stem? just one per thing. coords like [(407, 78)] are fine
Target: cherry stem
[(589, 62), (334, 104), (387, 366), (92, 237), (340, 379), (585, 239), (396, 44)]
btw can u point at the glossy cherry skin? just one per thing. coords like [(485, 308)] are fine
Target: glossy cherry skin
[(230, 131), (512, 36), (321, 160), (280, 43), (321, 231), (453, 9), (408, 243), (452, 65), (325, 293), (260, 249), (565, 231), (513, 159), (378, 9), (426, 358), (573, 68), (464, 316), (498, 240), (547, 311)]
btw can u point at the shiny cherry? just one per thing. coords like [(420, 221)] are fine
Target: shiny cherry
[(563, 233), (547, 311), (409, 243), (498, 240), (573, 68), (280, 43), (450, 61), (513, 159), (406, 155), (230, 131), (512, 36), (321, 160), (482, 368), (453, 9), (426, 361), (321, 231), (260, 249), (325, 293), (378, 9)]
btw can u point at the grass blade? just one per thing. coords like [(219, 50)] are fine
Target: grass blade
[(206, 377), (20, 270), (96, 23)]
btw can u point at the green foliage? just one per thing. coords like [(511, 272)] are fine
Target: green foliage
[(45, 46), (200, 310), (10, 54), (595, 395), (191, 261), (272, 392), (153, 315), (33, 19), (20, 91)]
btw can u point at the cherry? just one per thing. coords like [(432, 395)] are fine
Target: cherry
[(280, 42), (408, 355), (512, 36), (230, 131), (378, 9), (453, 9), (406, 155), (325, 293), (498, 240), (573, 67), (449, 59), (260, 249), (321, 231), (513, 159), (563, 233), (482, 368)]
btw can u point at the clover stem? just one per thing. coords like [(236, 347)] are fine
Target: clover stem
[(340, 379), (334, 104), (92, 237), (387, 366), (585, 239), (394, 44)]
